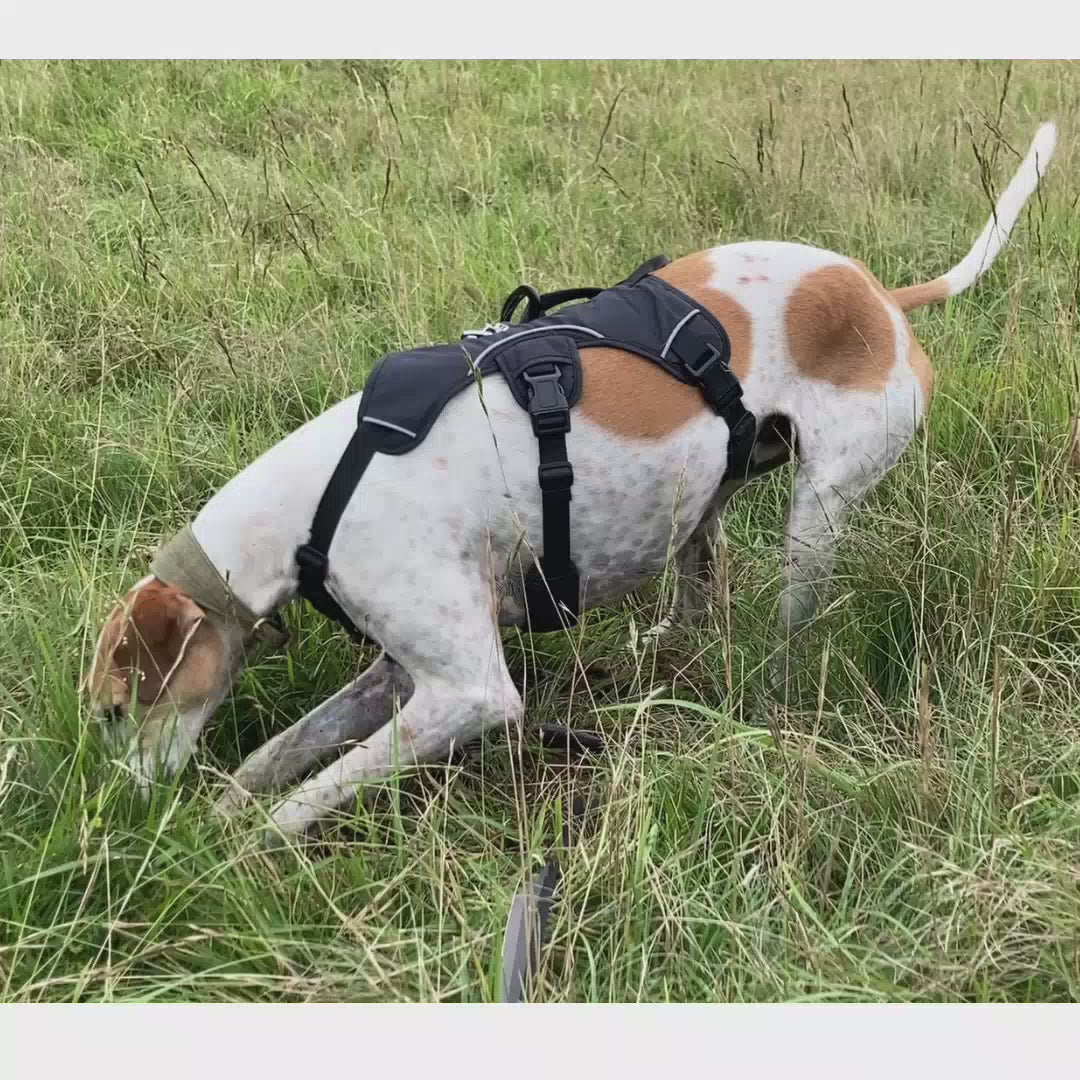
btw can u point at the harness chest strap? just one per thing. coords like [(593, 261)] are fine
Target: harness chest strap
[(552, 584), (312, 559)]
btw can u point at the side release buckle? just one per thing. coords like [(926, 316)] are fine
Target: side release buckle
[(716, 379), (548, 407), (705, 361)]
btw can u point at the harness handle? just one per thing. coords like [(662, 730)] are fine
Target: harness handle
[(540, 303), (513, 302)]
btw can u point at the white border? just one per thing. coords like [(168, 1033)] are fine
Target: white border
[(782, 29), (659, 1041), (263, 1041)]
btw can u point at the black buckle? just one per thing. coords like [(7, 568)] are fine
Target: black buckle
[(548, 406), (556, 476), (710, 356), (714, 376), (312, 563)]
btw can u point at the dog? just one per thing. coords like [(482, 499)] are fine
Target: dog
[(430, 547)]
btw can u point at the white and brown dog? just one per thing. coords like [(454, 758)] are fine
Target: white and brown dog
[(423, 553)]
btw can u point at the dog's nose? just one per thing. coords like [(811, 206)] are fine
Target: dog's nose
[(111, 714)]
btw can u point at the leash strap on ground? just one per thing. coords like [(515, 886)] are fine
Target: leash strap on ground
[(531, 908), (524, 935)]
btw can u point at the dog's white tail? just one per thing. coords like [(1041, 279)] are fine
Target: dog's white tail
[(994, 237)]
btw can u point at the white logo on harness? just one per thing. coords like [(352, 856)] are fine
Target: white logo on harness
[(491, 328)]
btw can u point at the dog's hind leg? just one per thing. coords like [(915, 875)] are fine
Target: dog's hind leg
[(694, 579), (462, 689), (696, 576), (820, 501), (349, 717), (835, 472)]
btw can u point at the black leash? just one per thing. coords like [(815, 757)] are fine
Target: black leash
[(531, 909)]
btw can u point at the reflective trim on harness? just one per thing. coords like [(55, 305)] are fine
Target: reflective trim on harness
[(387, 424), (675, 333), (503, 342)]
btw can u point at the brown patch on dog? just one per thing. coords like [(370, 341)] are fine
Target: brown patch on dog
[(917, 359), (839, 329), (691, 275), (158, 636), (880, 289), (441, 462), (628, 395)]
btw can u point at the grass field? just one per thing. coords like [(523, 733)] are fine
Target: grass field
[(195, 258)]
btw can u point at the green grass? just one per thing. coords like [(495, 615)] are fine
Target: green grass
[(195, 258)]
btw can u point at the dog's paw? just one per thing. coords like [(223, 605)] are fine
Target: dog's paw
[(141, 768), (152, 762)]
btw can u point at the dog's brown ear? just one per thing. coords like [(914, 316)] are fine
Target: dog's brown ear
[(144, 641)]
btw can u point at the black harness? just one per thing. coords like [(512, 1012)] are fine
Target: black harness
[(539, 359)]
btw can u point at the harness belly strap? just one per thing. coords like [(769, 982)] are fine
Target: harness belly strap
[(552, 585), (541, 363)]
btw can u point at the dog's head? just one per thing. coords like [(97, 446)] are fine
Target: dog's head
[(158, 653)]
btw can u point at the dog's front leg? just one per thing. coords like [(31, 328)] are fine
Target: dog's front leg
[(441, 715), (696, 566), (165, 743), (350, 716)]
